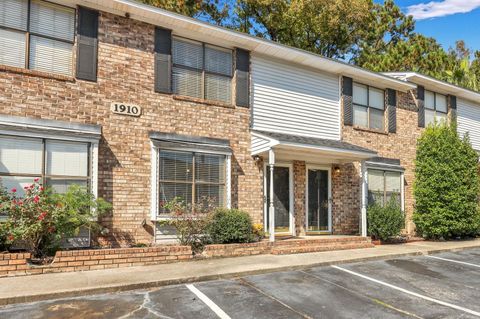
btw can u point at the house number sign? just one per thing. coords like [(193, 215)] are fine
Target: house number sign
[(126, 109)]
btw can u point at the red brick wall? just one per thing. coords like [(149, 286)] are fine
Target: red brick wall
[(81, 260), (126, 74)]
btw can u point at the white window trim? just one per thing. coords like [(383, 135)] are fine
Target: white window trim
[(154, 178)]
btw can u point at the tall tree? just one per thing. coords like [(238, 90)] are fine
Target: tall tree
[(328, 27), (214, 11), (417, 53)]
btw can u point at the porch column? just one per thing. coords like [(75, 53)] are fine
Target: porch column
[(363, 218), (271, 208)]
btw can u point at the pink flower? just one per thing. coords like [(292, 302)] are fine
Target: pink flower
[(14, 190), (42, 216), (36, 179), (36, 199), (11, 237)]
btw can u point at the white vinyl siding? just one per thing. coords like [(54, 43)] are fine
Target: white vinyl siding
[(468, 120), (259, 145), (294, 100)]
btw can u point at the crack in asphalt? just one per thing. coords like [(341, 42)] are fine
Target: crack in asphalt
[(147, 305)]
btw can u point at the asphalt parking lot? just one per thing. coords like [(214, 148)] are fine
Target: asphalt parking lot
[(445, 285)]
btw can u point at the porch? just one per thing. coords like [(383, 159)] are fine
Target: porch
[(312, 186)]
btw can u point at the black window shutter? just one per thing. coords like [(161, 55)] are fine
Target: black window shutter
[(87, 44), (242, 87), (453, 102), (347, 92), (421, 105), (453, 108), (392, 110), (163, 60)]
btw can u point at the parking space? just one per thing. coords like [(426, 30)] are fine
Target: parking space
[(445, 285)]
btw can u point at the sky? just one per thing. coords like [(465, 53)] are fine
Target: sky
[(446, 20)]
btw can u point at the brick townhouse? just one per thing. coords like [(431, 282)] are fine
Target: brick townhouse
[(142, 105)]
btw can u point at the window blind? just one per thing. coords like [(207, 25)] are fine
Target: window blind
[(169, 191), (176, 166), (429, 100), (67, 159), (360, 94), (187, 82), (210, 168), (218, 88), (61, 185), (12, 48), (14, 13), (376, 98), (218, 61), (375, 181), (360, 115), (50, 55), (20, 156), (52, 20), (188, 54), (441, 103)]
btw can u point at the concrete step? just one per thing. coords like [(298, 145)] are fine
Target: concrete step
[(285, 250)]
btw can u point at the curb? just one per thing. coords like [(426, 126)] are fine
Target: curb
[(167, 282)]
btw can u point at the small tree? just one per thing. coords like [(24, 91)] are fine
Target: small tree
[(446, 184)]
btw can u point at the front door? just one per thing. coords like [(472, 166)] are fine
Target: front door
[(281, 198), (318, 200)]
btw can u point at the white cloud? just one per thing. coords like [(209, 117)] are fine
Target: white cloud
[(436, 9)]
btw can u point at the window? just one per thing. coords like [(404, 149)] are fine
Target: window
[(368, 107), (435, 107), (202, 71), (37, 35), (58, 164), (383, 185), (195, 178)]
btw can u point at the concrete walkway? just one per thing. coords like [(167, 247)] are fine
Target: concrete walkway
[(49, 286)]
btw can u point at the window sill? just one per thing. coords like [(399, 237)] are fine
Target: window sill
[(369, 130), (202, 101), (41, 74)]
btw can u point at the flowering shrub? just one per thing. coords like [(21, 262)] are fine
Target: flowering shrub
[(190, 222), (40, 219)]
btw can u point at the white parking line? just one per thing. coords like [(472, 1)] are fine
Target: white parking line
[(218, 311), (454, 261), (443, 303)]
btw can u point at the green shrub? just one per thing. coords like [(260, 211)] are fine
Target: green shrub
[(446, 185), (385, 222), (230, 226)]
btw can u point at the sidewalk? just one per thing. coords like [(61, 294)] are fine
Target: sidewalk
[(61, 285)]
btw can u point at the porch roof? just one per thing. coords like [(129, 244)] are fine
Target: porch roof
[(290, 147)]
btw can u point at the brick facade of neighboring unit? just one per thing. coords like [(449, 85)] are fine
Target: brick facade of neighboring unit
[(126, 74), (400, 145)]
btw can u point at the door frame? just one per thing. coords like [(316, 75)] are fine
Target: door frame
[(329, 169), (291, 197)]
